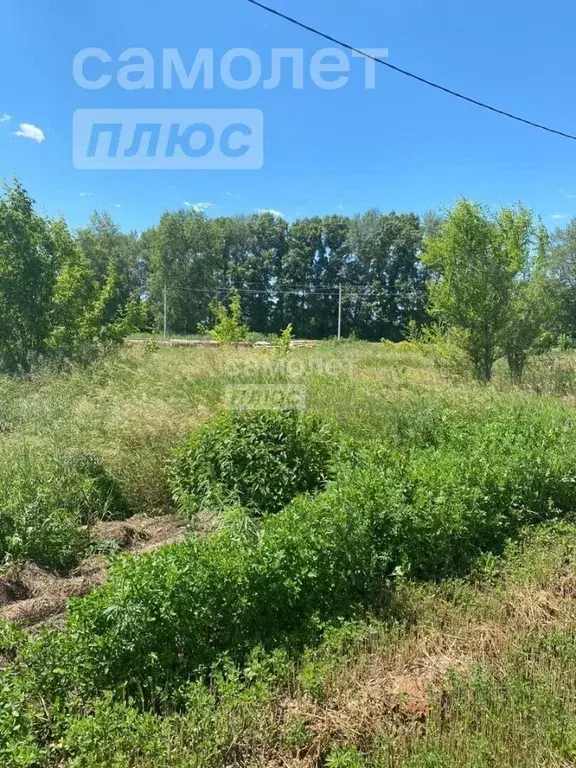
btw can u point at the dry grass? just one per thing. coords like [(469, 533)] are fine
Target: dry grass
[(34, 597), (395, 679)]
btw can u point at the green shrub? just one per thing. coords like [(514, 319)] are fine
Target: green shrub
[(115, 734), (166, 616), (22, 721), (257, 459), (47, 504), (228, 328), (284, 341), (169, 615)]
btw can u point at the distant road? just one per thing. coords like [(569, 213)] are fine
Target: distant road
[(210, 343)]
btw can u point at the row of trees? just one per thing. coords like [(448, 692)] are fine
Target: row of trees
[(289, 273), (498, 283)]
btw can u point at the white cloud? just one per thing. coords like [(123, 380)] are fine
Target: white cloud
[(560, 216), (272, 211), (341, 207), (87, 194), (117, 205), (4, 118), (29, 131), (198, 207)]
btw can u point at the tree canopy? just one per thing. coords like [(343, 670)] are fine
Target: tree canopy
[(498, 279)]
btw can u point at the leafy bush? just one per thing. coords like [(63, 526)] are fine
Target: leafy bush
[(167, 616), (20, 722), (228, 328), (284, 341), (46, 505), (164, 617), (257, 459)]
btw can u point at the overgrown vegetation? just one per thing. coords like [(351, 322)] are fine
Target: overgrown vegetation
[(259, 460), (339, 550), (228, 327), (48, 503), (492, 285)]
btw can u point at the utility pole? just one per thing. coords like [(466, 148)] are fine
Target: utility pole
[(339, 310), (165, 313)]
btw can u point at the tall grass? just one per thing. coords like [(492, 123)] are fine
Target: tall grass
[(130, 410), (433, 477)]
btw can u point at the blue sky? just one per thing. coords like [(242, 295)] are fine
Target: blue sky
[(400, 146)]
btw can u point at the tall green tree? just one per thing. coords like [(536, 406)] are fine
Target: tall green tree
[(304, 249), (252, 250), (28, 266), (86, 316), (186, 261), (75, 289), (482, 268), (108, 249), (562, 269), (533, 323), (388, 274), (330, 270)]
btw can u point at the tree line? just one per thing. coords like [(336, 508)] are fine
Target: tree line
[(499, 283), (289, 273)]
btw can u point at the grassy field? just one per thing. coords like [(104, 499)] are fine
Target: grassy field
[(418, 610)]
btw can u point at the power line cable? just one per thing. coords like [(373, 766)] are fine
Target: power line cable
[(420, 79), (300, 293)]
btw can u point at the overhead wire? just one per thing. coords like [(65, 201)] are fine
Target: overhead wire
[(412, 75)]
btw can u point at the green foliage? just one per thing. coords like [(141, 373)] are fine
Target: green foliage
[(486, 285), (430, 483), (57, 300), (446, 346), (28, 266), (284, 341), (164, 617), (11, 639), (228, 328), (385, 251), (257, 459), (266, 258), (517, 703), (252, 250), (183, 256), (345, 757), (88, 317), (535, 303), (423, 504), (115, 734), (21, 731), (562, 269), (47, 504), (107, 250)]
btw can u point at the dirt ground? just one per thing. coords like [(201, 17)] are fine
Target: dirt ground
[(35, 597)]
